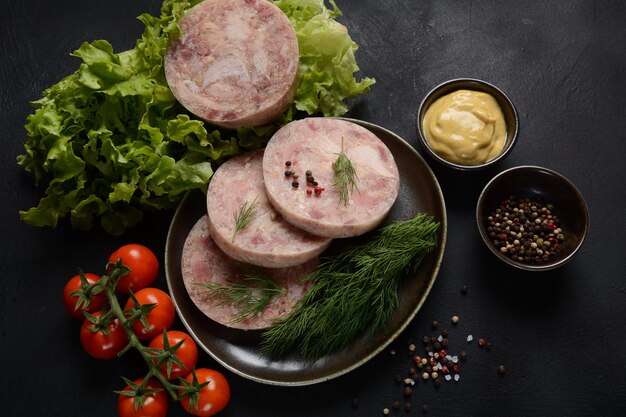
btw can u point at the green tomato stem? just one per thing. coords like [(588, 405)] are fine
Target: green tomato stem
[(133, 341)]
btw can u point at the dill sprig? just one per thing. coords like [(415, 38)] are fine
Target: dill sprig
[(354, 292), (344, 176), (246, 213), (251, 294)]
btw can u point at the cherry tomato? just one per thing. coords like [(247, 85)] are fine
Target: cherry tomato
[(213, 398), (155, 405), (187, 353), (95, 303), (160, 317), (99, 345), (143, 265)]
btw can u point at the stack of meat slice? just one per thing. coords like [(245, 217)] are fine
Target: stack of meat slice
[(291, 216)]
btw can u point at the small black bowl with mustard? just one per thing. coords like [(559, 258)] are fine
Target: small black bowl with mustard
[(467, 124)]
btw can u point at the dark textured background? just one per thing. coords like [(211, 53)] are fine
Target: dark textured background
[(562, 334)]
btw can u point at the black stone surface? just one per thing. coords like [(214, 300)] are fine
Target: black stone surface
[(560, 334)]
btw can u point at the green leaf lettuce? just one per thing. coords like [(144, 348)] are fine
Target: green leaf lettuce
[(110, 140)]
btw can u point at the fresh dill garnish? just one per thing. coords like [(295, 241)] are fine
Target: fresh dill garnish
[(245, 215), (354, 292), (344, 176), (251, 294)]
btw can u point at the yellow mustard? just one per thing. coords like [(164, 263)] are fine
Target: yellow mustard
[(465, 127)]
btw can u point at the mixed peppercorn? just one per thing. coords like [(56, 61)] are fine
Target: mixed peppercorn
[(525, 230), (312, 185), (436, 365)]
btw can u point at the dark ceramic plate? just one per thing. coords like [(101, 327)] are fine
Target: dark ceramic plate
[(239, 350)]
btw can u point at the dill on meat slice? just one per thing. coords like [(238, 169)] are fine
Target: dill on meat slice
[(246, 213), (344, 176), (354, 292), (251, 295)]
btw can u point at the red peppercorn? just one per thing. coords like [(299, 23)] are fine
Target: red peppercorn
[(456, 368), (444, 369), (318, 190), (309, 191), (443, 353)]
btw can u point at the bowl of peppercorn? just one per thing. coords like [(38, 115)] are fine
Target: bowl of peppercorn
[(532, 218)]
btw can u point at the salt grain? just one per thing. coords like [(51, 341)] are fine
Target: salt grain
[(457, 377), (448, 377), (470, 338)]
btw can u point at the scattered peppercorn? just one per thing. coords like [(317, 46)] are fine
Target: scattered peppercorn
[(295, 184), (424, 408), (464, 289), (501, 369), (455, 319), (288, 173), (408, 391), (309, 191), (308, 173), (407, 406), (434, 324), (386, 411), (396, 405), (288, 163)]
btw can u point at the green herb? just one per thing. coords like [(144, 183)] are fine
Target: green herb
[(251, 295), (354, 292), (110, 140), (247, 212), (344, 176)]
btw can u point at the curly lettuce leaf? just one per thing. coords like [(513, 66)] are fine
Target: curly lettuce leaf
[(327, 58), (111, 140)]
